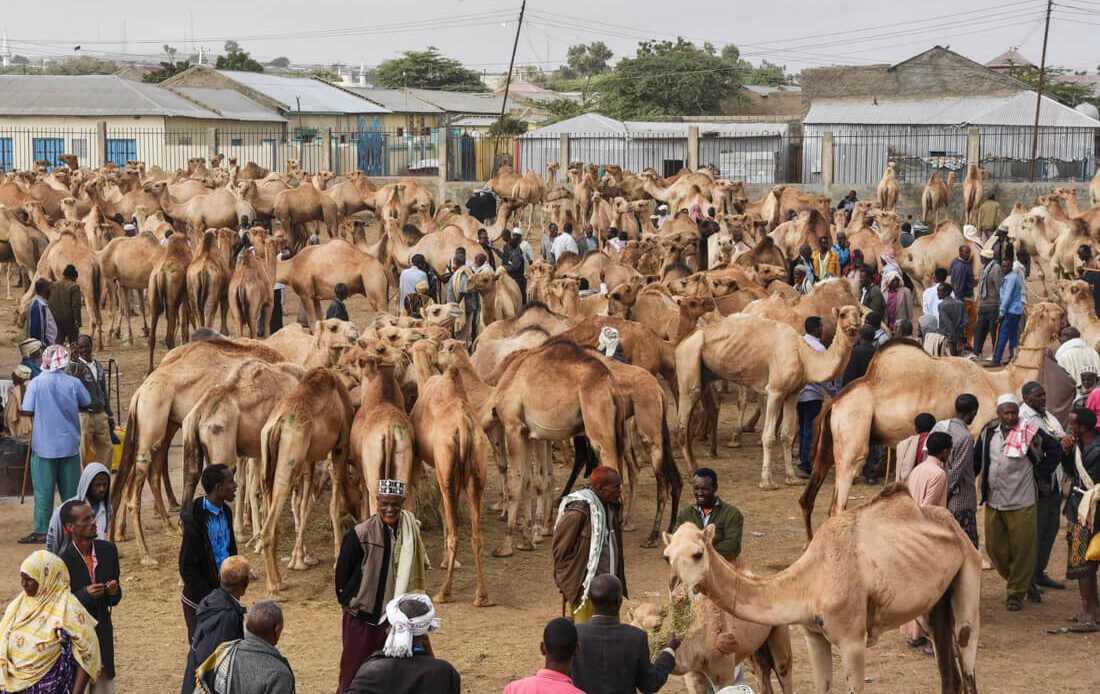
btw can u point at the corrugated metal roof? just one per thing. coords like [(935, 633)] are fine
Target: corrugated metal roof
[(597, 124), (765, 90), (230, 104), (396, 100), (1009, 58), (317, 96), (91, 95), (1014, 110), (471, 103)]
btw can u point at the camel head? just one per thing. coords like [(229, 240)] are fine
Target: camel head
[(216, 160), (1075, 293), (686, 554), (1045, 320), (332, 336), (766, 274), (848, 319), (483, 282), (621, 206), (447, 350), (695, 306), (154, 187), (626, 293), (951, 178)]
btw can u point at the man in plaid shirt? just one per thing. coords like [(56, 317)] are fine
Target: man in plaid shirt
[(962, 497)]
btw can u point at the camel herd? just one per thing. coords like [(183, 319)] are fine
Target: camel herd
[(304, 408)]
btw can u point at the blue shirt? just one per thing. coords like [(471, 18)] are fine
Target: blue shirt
[(1012, 299), (55, 398), (217, 528)]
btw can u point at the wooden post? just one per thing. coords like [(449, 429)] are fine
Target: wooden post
[(693, 147), (211, 141), (973, 147), (100, 143), (563, 156), (442, 138), (826, 160)]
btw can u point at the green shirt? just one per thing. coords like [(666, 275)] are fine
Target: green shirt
[(727, 521)]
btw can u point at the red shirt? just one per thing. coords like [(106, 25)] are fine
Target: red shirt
[(545, 682)]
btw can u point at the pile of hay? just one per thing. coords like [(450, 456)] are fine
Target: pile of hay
[(676, 622)]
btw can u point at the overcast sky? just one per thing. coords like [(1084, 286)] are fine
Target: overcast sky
[(798, 34)]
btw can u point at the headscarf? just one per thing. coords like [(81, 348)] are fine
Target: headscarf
[(55, 358), (403, 628), (29, 641), (889, 274), (609, 341)]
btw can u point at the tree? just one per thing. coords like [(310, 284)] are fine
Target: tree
[(232, 46), (236, 59), (667, 78), (1069, 93), (166, 70), (563, 108), (84, 65), (281, 61), (428, 69), (588, 60), (20, 60), (325, 73), (509, 126)]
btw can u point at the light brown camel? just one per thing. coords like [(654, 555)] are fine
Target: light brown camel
[(251, 290), (972, 193), (68, 249), (296, 207), (533, 314), (323, 347), (213, 209), (128, 262), (167, 294), (672, 319), (887, 191), (1080, 310), (450, 438), (19, 242), (208, 278), (354, 194), (856, 580), (500, 296), (314, 272), (261, 193), (382, 440), (937, 196), (305, 427), (1094, 188), (936, 250), (880, 407), (438, 248), (641, 345), (765, 355), (490, 354), (822, 299)]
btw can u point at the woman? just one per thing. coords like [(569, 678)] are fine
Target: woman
[(899, 302), (47, 639)]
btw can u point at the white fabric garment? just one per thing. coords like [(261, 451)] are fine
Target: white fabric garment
[(563, 242), (597, 516), (403, 629), (930, 300), (1074, 355)]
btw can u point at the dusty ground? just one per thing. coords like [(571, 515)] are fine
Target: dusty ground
[(491, 646)]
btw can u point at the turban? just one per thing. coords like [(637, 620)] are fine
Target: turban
[(422, 286), (29, 346), (55, 358), (24, 372), (403, 627), (609, 341)]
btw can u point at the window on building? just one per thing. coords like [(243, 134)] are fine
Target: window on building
[(236, 142)]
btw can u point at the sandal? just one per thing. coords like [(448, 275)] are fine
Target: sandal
[(1084, 627), (1014, 604), (32, 539)]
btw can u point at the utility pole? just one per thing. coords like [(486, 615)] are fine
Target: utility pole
[(1039, 95), (511, 65)]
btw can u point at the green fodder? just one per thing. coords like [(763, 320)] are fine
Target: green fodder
[(677, 619)]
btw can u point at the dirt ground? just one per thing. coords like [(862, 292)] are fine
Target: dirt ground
[(492, 646)]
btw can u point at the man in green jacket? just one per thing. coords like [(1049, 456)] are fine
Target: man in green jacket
[(709, 509)]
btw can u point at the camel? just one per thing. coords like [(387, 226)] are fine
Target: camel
[(764, 252), (314, 271), (553, 392), (114, 202), (856, 580), (880, 407), (296, 207), (25, 244), (641, 345), (700, 658), (438, 248), (936, 250), (261, 194), (825, 296), (451, 440), (937, 196), (127, 262), (213, 209), (490, 354), (1080, 310), (330, 338), (354, 194), (208, 278), (69, 250), (251, 290), (305, 427), (500, 297), (533, 314), (167, 294), (887, 191), (672, 319), (972, 193), (769, 357), (693, 188)]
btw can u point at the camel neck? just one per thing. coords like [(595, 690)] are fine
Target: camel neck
[(772, 600), (819, 367)]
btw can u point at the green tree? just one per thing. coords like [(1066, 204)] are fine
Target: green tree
[(588, 60), (563, 108), (84, 65), (166, 70), (236, 59), (509, 126), (1069, 93), (325, 73), (428, 69), (667, 78), (281, 61), (20, 60)]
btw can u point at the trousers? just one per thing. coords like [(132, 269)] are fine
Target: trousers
[(95, 439), (1047, 521), (46, 474), (1010, 334), (360, 639), (985, 326), (807, 413), (1010, 542)]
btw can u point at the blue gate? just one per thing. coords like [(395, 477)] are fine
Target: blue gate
[(5, 154), (48, 149), (370, 148), (121, 151)]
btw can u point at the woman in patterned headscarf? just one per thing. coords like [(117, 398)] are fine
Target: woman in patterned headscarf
[(47, 639)]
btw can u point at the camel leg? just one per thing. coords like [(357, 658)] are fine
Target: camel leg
[(714, 409), (499, 455), (852, 655), (768, 437), (848, 461), (742, 394), (137, 482), (695, 683), (255, 498), (543, 482), (445, 464), (299, 558), (821, 660), (240, 502), (965, 595), (153, 320), (518, 486), (788, 429), (664, 494)]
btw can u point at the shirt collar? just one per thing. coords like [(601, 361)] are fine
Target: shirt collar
[(717, 503), (554, 675), (216, 510)]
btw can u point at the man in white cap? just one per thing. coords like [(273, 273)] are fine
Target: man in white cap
[(31, 351), (379, 558), (407, 664), (1012, 453), (989, 301), (1075, 354), (662, 214)]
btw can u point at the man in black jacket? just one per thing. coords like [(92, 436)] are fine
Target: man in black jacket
[(207, 539), (219, 617), (860, 359), (97, 587), (614, 657)]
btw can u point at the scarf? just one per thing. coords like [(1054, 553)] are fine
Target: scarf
[(1019, 439), (55, 358), (403, 628), (696, 213), (407, 550), (30, 642), (892, 307), (609, 341), (598, 519)]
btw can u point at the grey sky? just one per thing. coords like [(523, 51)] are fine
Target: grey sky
[(479, 32)]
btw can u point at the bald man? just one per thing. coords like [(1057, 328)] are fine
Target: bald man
[(219, 617), (253, 664), (594, 512)]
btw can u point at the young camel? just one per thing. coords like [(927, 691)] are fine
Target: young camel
[(167, 293), (208, 278), (856, 580), (305, 426), (450, 439), (901, 382)]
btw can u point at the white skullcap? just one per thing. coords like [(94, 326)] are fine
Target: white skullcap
[(1008, 398), (662, 207), (129, 227), (970, 229), (517, 230), (391, 488)]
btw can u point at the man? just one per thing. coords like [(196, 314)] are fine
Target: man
[(1011, 454), (1089, 378), (458, 281), (910, 451), (848, 205), (1085, 475), (962, 500), (337, 309), (416, 302), (95, 418), (662, 215), (989, 216), (810, 399), (592, 514), (528, 252), (962, 283), (491, 252), (709, 509), (874, 320), (869, 293), (367, 575), (1048, 502), (65, 300), (410, 276), (951, 318), (253, 664), (15, 424), (614, 657), (802, 283), (53, 400), (407, 664), (707, 227), (588, 242), (905, 237), (563, 243), (989, 303), (515, 264), (841, 248), (826, 263), (31, 351), (1010, 311), (40, 322), (546, 245), (559, 647), (860, 358), (928, 487), (219, 617), (93, 489), (930, 298), (208, 539), (1074, 354), (804, 260), (93, 579), (1089, 272)]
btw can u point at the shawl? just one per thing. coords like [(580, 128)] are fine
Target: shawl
[(30, 642), (598, 519), (1086, 510), (891, 305), (403, 628), (1019, 439), (406, 551)]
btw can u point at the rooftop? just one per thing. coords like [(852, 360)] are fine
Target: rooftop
[(314, 95), (1010, 58), (229, 103), (598, 124), (92, 95), (396, 100), (469, 103), (1013, 110)]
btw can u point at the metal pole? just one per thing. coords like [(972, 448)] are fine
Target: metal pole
[(508, 83), (1039, 95)]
